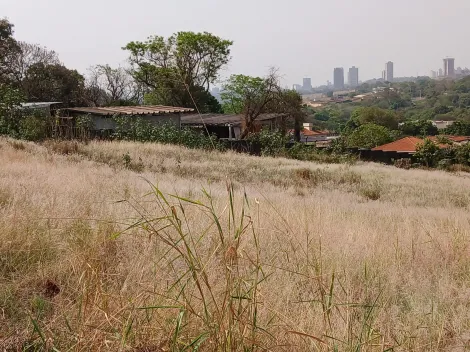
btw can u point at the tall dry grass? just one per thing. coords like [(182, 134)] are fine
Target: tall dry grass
[(141, 247)]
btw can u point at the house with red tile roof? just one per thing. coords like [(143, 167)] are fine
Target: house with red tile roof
[(409, 144), (404, 145)]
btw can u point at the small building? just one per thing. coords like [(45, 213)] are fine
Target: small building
[(230, 126), (46, 108), (442, 124), (321, 138), (103, 118)]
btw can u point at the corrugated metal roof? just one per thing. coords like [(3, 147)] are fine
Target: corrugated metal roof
[(223, 119), (39, 105), (131, 110)]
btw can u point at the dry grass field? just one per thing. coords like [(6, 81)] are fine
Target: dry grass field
[(119, 246)]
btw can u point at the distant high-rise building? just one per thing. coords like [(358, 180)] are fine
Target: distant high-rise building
[(338, 81), (389, 71), (353, 77), (307, 84), (383, 75), (440, 73), (297, 87), (449, 67), (433, 74)]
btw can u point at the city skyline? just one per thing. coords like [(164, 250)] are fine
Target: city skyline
[(388, 74), (352, 33)]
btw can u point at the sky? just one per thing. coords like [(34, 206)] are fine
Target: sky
[(301, 38)]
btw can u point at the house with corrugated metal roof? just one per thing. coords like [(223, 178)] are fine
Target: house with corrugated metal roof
[(103, 119), (230, 126)]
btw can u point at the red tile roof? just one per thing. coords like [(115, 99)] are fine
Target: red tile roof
[(405, 145), (409, 144), (456, 139)]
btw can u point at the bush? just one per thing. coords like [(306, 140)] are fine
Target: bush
[(369, 136), (427, 153), (273, 143), (33, 128), (168, 133)]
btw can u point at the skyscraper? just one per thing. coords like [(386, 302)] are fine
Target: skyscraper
[(449, 67), (338, 81), (307, 84), (353, 77), (389, 71)]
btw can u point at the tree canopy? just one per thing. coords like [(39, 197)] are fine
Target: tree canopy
[(176, 68), (369, 136), (253, 96), (54, 83)]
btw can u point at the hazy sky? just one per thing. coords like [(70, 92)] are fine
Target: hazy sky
[(303, 38)]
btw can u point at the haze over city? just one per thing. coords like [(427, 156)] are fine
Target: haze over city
[(302, 38)]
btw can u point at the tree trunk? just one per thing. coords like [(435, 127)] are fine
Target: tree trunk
[(297, 128)]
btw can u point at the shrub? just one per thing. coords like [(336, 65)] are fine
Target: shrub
[(168, 133), (33, 128), (427, 152), (369, 136), (273, 143)]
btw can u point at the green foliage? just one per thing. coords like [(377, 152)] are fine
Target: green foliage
[(54, 83), (427, 153), (178, 70), (458, 128), (9, 51), (10, 99), (84, 121), (369, 136), (143, 131), (418, 128), (462, 154), (240, 88), (273, 143), (374, 115), (33, 128)]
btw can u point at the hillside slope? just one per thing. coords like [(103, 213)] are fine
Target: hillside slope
[(128, 246)]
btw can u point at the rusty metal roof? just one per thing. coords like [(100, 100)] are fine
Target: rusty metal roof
[(131, 110), (223, 119)]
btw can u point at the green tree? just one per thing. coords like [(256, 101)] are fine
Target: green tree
[(10, 99), (458, 128), (426, 153), (369, 136), (176, 70), (54, 83), (377, 116), (250, 96), (253, 96), (418, 128), (9, 51)]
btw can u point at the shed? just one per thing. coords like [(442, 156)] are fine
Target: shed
[(103, 117), (229, 126)]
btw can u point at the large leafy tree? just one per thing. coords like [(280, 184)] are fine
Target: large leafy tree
[(418, 128), (253, 96), (9, 51), (458, 128), (382, 117), (54, 83), (177, 70), (369, 136)]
